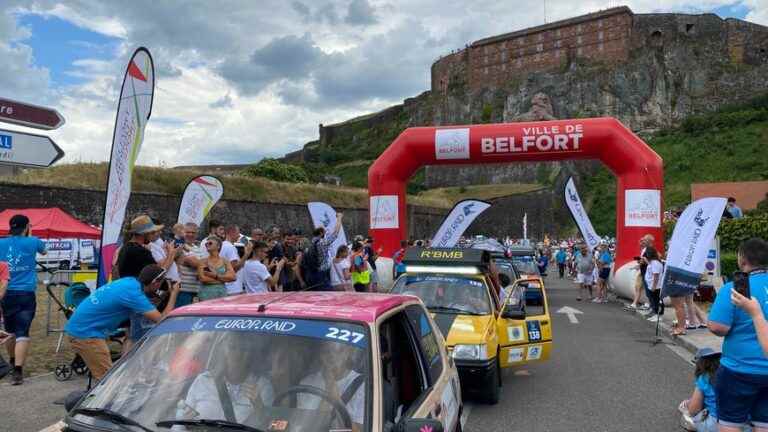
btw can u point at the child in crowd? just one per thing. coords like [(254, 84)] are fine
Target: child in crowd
[(702, 407)]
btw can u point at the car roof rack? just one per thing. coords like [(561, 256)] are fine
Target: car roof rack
[(447, 257)]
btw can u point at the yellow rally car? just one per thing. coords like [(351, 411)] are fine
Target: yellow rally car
[(484, 330)]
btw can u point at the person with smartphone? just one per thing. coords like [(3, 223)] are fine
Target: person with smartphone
[(741, 383)]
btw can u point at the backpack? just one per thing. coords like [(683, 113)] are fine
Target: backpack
[(310, 262)]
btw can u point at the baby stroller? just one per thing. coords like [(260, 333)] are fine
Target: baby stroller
[(74, 294)]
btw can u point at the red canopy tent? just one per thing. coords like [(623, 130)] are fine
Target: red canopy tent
[(50, 223)]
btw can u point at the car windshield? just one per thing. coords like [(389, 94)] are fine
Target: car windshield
[(447, 293), (272, 374), (525, 264), (506, 268)]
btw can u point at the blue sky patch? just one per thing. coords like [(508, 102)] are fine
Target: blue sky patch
[(57, 43), (734, 10)]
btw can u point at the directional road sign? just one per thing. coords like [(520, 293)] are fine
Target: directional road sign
[(23, 149), (29, 115)]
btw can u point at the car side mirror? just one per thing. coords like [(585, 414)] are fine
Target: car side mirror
[(513, 313), (420, 425)]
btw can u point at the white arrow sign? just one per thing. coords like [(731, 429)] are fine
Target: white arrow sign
[(571, 312), (19, 148)]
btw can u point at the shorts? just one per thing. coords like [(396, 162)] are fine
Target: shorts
[(95, 354), (605, 273), (585, 279), (18, 312), (673, 290), (741, 397)]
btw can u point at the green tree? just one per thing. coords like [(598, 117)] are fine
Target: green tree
[(273, 169)]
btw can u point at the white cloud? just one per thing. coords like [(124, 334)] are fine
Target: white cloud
[(758, 11), (241, 80)]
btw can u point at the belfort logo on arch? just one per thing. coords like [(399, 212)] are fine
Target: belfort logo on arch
[(536, 139), (452, 144)]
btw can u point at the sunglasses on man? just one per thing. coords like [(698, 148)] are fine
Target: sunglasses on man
[(158, 277)]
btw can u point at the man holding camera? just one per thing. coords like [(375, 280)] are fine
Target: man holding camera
[(100, 314), (742, 380)]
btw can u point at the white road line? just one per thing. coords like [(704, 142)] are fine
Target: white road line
[(465, 414)]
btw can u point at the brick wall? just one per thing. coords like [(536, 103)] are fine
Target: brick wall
[(607, 36), (600, 36), (603, 37)]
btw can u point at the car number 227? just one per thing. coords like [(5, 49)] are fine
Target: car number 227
[(344, 335)]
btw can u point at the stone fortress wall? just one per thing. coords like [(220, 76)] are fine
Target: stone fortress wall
[(609, 36)]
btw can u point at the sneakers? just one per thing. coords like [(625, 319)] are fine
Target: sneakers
[(595, 300), (17, 377), (645, 307), (653, 318)]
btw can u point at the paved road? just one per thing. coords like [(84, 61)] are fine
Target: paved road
[(603, 375), (30, 407)]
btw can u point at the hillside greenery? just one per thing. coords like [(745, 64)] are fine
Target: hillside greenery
[(728, 145), (248, 187), (273, 169), (172, 181)]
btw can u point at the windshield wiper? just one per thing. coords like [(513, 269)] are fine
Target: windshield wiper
[(111, 415), (208, 422), (451, 309)]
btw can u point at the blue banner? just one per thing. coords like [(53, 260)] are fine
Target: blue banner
[(349, 334)]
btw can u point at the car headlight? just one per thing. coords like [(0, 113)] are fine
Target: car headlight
[(470, 352)]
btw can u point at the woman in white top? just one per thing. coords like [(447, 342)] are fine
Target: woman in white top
[(256, 276), (653, 279), (341, 280)]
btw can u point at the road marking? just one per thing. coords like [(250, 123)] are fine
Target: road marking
[(571, 312), (465, 414)]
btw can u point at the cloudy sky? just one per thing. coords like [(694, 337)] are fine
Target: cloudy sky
[(241, 80)]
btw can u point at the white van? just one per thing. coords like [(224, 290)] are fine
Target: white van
[(67, 253)]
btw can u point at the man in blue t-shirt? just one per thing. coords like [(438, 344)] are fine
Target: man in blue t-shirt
[(742, 380), (561, 257), (101, 313), (19, 250), (604, 260)]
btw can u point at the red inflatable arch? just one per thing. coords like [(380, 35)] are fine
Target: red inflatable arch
[(638, 169)]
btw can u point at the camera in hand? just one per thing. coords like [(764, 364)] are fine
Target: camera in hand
[(741, 283)]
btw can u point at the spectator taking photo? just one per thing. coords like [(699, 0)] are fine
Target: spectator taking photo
[(741, 383)]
